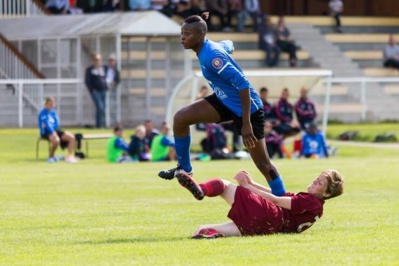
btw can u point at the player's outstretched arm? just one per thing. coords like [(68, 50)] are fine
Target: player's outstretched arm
[(283, 202)]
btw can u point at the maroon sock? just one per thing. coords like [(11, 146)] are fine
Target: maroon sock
[(213, 187)]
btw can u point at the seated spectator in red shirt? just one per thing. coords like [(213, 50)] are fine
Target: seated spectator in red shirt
[(305, 109), (256, 211), (284, 112), (268, 108)]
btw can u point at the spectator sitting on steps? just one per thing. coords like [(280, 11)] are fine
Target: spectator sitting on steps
[(267, 42), (285, 42), (391, 53)]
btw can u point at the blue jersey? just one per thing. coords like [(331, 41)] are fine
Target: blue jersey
[(225, 77), (314, 145), (48, 121)]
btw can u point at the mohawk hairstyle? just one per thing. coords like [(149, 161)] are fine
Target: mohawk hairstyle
[(199, 19)]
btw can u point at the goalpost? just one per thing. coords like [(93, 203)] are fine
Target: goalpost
[(275, 80)]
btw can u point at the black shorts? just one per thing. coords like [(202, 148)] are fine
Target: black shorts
[(257, 118), (60, 133)]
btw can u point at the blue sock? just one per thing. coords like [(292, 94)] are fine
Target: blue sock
[(182, 146), (277, 186)]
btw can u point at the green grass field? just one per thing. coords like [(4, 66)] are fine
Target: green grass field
[(95, 213)]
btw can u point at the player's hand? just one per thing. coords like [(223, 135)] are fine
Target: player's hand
[(243, 178), (248, 136)]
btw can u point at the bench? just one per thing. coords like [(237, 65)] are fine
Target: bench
[(358, 38), (365, 55), (85, 138), (381, 72)]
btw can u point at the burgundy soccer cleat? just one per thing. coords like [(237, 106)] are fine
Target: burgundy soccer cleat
[(186, 181), (208, 233)]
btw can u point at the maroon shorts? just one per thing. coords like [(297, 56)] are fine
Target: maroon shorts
[(255, 215)]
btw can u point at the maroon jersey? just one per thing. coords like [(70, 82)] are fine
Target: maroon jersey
[(306, 209)]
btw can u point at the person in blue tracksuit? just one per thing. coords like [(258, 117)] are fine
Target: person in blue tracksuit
[(49, 126), (314, 144), (234, 98)]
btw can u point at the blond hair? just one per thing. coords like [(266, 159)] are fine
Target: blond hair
[(335, 183), (49, 99)]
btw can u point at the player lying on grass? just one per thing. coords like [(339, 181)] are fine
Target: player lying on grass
[(256, 211)]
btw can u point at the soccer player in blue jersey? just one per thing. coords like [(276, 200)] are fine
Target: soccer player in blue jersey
[(233, 99)]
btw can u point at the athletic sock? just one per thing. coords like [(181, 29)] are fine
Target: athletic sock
[(182, 147), (277, 186), (213, 187)]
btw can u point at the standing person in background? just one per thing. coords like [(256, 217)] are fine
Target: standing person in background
[(314, 144), (97, 86), (305, 109), (117, 147), (162, 148), (284, 113), (49, 129), (285, 42), (112, 78), (150, 133), (336, 9), (391, 53), (267, 42)]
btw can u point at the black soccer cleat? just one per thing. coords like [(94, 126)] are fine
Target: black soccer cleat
[(172, 173), (186, 181)]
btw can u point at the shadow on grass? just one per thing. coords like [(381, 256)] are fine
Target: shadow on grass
[(131, 240)]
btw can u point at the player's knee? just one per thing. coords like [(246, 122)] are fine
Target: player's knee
[(55, 141), (179, 118)]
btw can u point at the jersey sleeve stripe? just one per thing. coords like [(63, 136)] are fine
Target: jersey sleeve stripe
[(220, 71)]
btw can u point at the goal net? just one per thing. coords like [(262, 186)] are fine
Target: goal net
[(315, 80)]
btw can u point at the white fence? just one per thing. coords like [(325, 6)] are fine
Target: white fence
[(13, 8), (22, 100)]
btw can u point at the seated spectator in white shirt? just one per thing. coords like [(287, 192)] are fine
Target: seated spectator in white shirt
[(391, 53), (57, 7)]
